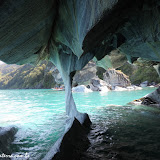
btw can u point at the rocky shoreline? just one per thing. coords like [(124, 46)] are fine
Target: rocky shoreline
[(152, 99), (101, 86)]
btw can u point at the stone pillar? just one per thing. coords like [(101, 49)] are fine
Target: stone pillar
[(68, 64)]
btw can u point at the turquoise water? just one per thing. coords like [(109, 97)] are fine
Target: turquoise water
[(40, 117)]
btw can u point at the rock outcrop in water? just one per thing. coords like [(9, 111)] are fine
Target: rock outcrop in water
[(116, 78), (6, 138), (81, 88), (152, 99), (70, 33), (97, 84)]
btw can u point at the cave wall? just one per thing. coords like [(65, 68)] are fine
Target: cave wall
[(132, 27), (25, 29)]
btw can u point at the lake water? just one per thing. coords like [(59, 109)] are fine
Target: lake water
[(119, 131)]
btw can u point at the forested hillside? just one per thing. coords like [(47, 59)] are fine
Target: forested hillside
[(26, 76)]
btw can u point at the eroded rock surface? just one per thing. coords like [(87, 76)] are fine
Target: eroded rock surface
[(88, 72)]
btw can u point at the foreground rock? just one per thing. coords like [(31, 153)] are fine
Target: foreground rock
[(152, 99), (6, 138), (73, 143)]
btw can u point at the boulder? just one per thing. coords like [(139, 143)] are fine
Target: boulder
[(97, 84), (116, 78), (81, 88), (154, 96), (104, 89), (6, 137), (144, 84), (133, 87), (117, 88)]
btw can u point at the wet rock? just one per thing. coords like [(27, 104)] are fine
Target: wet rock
[(152, 99), (148, 101), (154, 96), (6, 137), (73, 143)]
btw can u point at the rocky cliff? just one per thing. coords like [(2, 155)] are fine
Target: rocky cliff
[(116, 78)]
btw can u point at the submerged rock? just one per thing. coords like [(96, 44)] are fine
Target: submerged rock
[(6, 138)]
